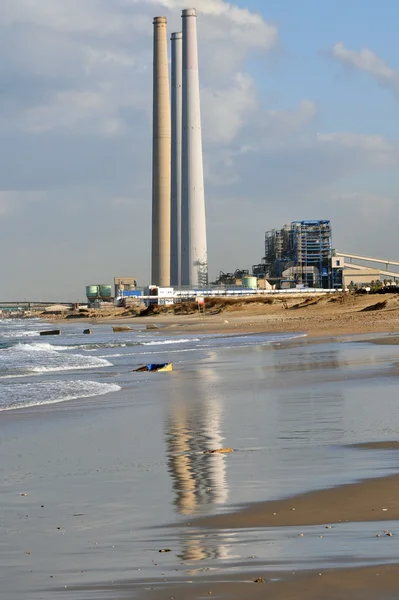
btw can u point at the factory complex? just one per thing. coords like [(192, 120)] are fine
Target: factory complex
[(298, 257)]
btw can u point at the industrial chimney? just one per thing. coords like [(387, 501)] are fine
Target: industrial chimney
[(194, 260), (176, 183), (161, 159)]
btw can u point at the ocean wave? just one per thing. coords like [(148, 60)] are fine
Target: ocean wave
[(170, 341), (20, 334), (25, 359), (28, 395)]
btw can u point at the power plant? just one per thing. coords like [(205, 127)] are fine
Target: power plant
[(179, 247)]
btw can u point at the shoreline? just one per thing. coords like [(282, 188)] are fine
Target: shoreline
[(317, 316)]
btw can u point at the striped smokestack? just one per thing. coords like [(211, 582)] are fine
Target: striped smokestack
[(161, 159)]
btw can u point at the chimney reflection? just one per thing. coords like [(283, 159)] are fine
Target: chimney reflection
[(199, 480)]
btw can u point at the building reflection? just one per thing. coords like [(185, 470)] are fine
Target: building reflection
[(199, 480)]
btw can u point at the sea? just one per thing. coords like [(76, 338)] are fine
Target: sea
[(101, 467), (39, 370)]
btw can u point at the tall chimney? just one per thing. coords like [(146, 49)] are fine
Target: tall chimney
[(175, 225), (194, 247), (161, 157)]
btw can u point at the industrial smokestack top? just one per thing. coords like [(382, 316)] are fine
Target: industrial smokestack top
[(189, 12), (159, 20), (178, 35)]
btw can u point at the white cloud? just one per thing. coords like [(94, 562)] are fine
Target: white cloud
[(239, 23), (379, 148), (13, 200), (366, 204), (73, 111), (290, 121), (93, 61), (227, 110), (366, 61)]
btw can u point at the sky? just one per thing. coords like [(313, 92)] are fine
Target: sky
[(299, 102)]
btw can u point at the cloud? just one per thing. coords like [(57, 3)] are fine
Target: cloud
[(368, 62), (365, 204), (376, 148), (227, 109), (289, 121)]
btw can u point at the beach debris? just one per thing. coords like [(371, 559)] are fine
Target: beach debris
[(259, 580), (384, 509), (165, 550), (121, 328), (218, 451), (151, 326), (50, 332), (155, 368)]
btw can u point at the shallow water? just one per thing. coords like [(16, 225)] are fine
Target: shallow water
[(103, 471)]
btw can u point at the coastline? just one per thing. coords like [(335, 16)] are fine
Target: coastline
[(315, 316)]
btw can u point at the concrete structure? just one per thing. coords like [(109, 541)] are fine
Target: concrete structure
[(176, 182), (194, 260), (124, 284), (361, 274), (161, 159), (360, 277)]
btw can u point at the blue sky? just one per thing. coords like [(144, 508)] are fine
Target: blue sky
[(300, 120)]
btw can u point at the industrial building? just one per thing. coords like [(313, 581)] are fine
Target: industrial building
[(299, 255), (179, 244)]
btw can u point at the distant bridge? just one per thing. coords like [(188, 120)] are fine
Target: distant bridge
[(32, 305)]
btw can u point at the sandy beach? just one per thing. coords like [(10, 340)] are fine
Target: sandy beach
[(94, 487), (318, 316)]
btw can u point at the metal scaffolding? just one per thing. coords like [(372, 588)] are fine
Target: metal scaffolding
[(312, 251), (299, 253)]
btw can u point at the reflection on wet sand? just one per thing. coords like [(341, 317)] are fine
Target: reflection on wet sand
[(199, 480)]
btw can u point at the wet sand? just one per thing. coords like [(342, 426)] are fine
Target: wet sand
[(370, 500), (373, 583), (393, 445)]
